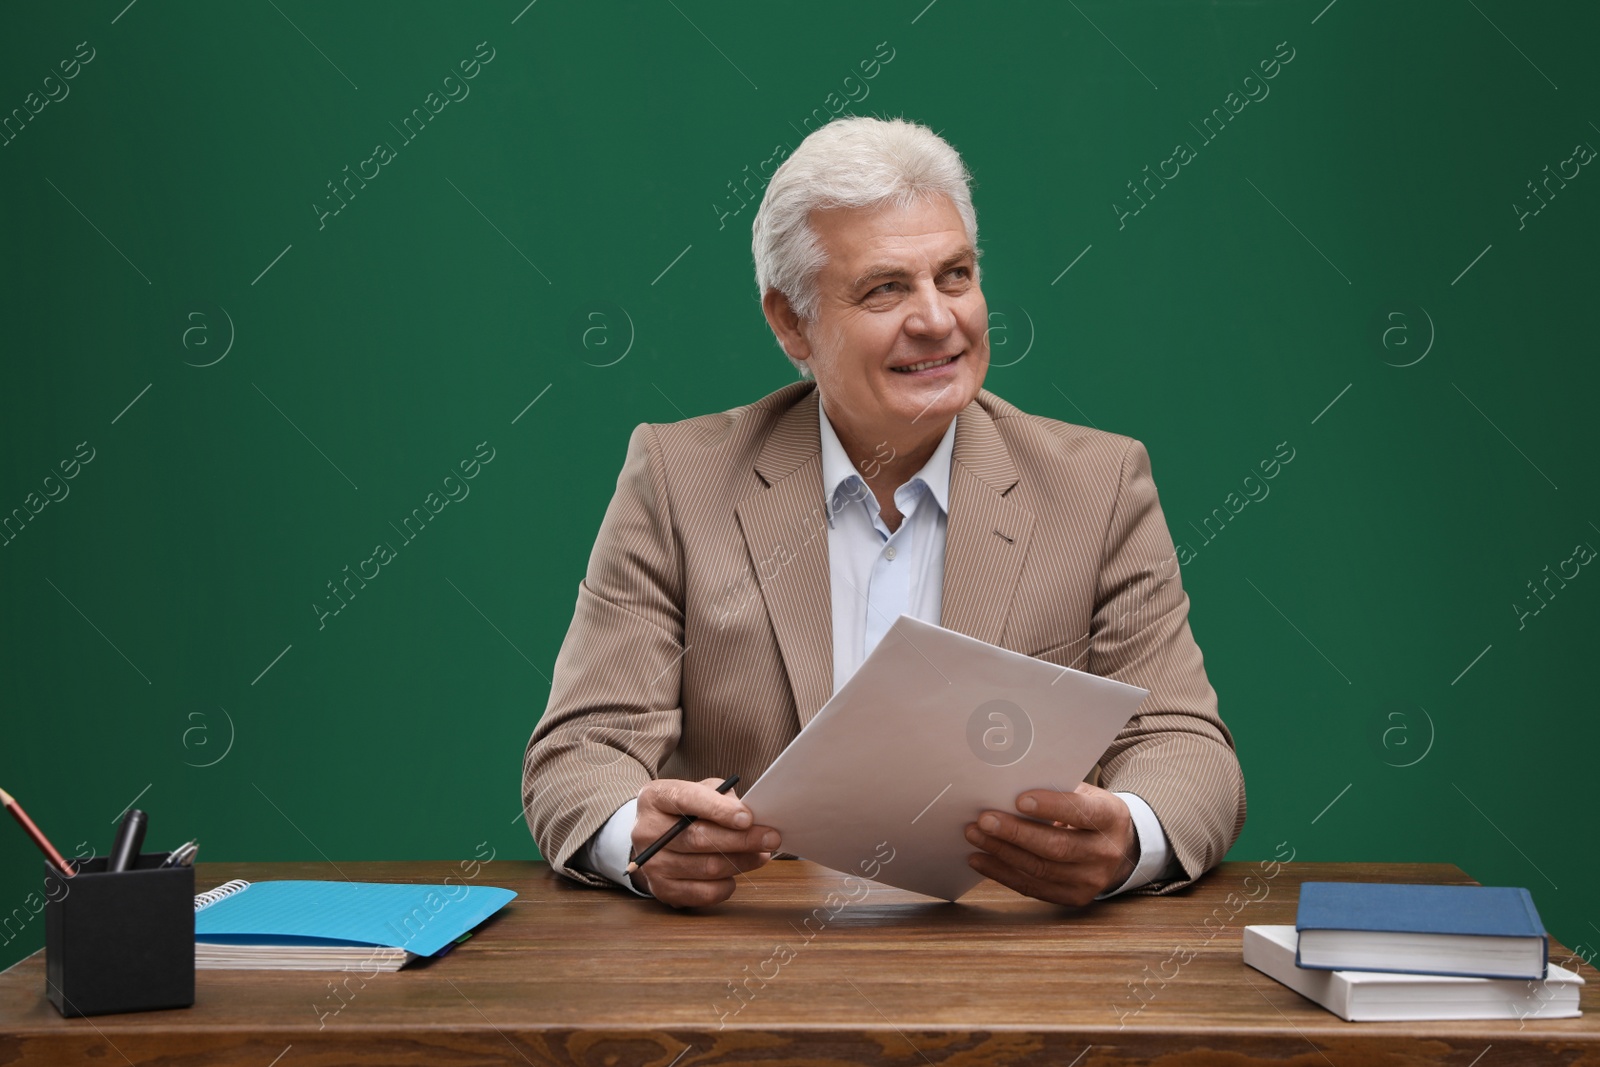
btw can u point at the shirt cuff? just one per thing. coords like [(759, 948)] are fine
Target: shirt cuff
[(1156, 861), (606, 853)]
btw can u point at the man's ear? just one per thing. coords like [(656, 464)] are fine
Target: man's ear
[(785, 323)]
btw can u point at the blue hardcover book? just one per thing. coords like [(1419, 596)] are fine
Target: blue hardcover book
[(300, 925), (1473, 931)]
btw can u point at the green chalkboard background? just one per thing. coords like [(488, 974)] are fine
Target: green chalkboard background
[(1352, 266)]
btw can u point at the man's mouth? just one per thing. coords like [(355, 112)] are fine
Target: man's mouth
[(931, 364)]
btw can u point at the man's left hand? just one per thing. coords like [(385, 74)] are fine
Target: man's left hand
[(1087, 845)]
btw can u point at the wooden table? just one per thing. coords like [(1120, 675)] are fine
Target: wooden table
[(571, 975)]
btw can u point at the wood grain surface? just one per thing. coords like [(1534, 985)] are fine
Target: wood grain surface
[(803, 965)]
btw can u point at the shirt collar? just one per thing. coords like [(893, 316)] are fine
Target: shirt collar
[(838, 473)]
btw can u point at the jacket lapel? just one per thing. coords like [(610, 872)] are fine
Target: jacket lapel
[(785, 530), (987, 535)]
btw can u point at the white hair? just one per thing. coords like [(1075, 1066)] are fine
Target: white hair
[(854, 162)]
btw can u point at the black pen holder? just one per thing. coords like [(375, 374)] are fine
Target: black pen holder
[(120, 941)]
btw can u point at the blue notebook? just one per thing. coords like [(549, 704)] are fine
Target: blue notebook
[(278, 921), (1469, 930)]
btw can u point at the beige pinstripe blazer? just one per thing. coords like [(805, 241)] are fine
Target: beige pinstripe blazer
[(702, 638)]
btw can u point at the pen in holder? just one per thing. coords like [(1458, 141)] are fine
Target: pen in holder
[(121, 941)]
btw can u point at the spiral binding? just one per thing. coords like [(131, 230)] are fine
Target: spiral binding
[(226, 889)]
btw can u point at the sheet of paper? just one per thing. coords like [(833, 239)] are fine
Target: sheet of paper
[(934, 728)]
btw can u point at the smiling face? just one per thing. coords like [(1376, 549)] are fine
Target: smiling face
[(898, 291)]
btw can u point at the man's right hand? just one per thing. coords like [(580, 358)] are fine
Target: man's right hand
[(698, 866)]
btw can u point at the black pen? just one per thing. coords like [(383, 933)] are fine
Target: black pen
[(677, 828), (130, 837)]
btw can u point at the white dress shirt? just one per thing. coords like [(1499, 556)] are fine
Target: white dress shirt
[(878, 575)]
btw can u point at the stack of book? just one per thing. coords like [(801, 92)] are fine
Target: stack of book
[(1370, 952)]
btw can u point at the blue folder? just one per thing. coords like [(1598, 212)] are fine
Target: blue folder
[(424, 919)]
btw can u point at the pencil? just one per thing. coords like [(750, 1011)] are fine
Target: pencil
[(49, 850), (675, 829)]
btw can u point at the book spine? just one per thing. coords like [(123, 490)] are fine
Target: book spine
[(1535, 923), (1341, 998)]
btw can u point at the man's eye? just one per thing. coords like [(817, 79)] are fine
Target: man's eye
[(965, 272), (879, 289)]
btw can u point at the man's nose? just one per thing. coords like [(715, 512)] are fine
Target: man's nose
[(930, 313)]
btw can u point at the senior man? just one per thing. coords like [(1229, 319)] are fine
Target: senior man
[(750, 560)]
